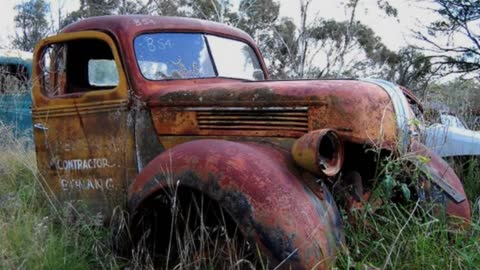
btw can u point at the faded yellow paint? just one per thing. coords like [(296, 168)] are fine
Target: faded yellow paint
[(40, 100), (84, 142)]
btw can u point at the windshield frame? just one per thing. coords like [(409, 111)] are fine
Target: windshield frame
[(203, 34)]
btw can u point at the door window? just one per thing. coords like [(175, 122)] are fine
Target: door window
[(78, 66)]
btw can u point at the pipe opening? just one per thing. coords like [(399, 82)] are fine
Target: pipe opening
[(327, 147)]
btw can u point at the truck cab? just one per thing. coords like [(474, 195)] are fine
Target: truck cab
[(129, 108)]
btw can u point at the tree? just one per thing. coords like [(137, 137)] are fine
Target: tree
[(89, 8), (412, 69), (459, 95), (280, 51), (212, 10), (31, 24), (322, 48), (257, 16), (135, 7), (170, 7), (458, 20)]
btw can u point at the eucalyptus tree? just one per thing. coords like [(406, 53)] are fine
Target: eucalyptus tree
[(31, 24)]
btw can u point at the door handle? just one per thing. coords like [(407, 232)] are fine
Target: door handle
[(40, 126)]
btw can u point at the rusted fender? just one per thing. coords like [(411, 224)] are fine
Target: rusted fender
[(453, 196), (262, 191)]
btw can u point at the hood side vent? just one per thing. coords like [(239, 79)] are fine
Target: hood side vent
[(291, 119)]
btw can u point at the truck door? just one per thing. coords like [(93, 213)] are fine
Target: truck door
[(83, 142)]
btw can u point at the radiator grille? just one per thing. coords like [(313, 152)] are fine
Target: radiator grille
[(253, 119)]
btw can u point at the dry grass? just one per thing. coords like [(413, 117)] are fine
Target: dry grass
[(191, 232), (37, 234), (33, 236)]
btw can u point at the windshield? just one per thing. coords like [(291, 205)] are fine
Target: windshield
[(163, 56)]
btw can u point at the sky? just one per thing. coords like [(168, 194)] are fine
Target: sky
[(395, 32)]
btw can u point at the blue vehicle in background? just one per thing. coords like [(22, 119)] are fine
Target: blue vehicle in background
[(15, 96)]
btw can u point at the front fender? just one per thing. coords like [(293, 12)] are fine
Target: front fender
[(455, 202), (261, 189)]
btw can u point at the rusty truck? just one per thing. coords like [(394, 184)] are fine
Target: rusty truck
[(127, 109)]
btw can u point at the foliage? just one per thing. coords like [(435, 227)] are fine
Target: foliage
[(257, 15), (90, 8), (34, 236), (458, 21), (408, 236), (31, 23), (395, 237), (459, 96), (330, 48), (212, 10), (410, 68), (318, 49)]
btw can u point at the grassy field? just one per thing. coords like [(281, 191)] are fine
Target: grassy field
[(35, 235)]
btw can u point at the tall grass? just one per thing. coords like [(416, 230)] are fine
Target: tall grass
[(34, 235), (404, 236)]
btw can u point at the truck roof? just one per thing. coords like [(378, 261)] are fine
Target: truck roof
[(132, 25), (125, 28)]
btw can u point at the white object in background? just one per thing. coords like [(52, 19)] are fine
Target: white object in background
[(451, 138)]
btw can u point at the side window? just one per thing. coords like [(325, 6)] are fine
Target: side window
[(78, 66)]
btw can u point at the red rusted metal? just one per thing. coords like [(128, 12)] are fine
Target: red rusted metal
[(260, 189), (320, 152), (412, 99), (360, 112), (331, 104), (335, 104)]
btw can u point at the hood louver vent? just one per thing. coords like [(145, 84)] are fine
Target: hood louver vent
[(253, 119)]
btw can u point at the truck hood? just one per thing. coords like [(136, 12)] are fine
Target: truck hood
[(264, 93), (363, 111)]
